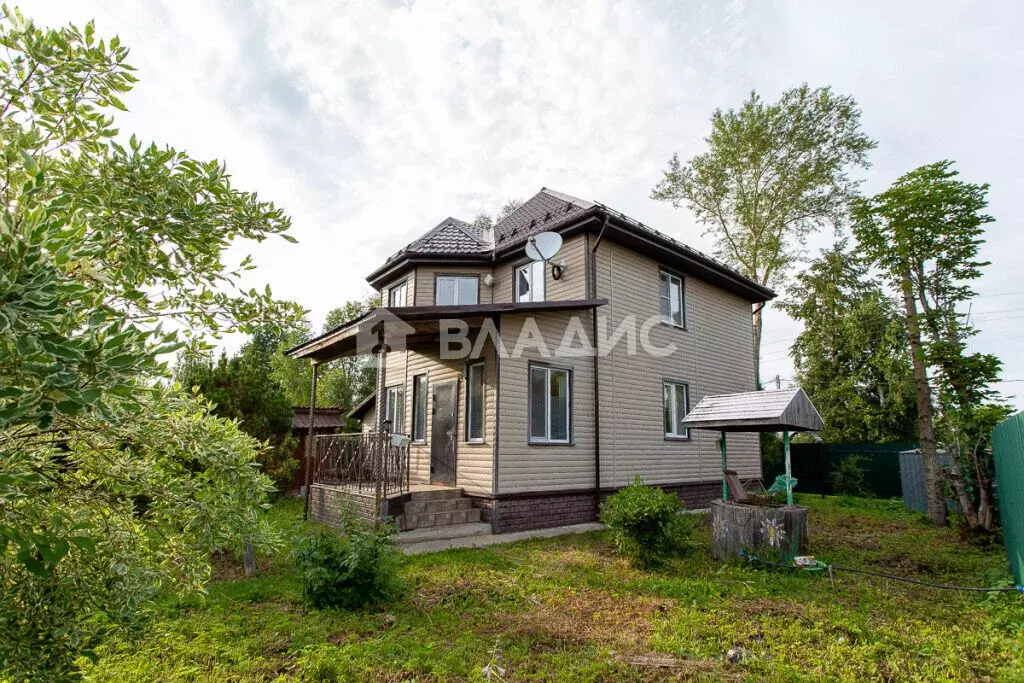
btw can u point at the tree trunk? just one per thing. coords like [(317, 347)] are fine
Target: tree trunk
[(956, 479), (925, 420), (758, 308), (249, 560), (986, 514)]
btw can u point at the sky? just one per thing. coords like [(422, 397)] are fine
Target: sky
[(369, 122)]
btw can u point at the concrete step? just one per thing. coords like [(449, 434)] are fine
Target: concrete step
[(422, 507), (442, 533), (438, 493), (436, 519)]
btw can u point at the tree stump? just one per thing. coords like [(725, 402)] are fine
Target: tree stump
[(777, 532)]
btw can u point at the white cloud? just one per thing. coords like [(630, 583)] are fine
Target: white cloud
[(369, 122)]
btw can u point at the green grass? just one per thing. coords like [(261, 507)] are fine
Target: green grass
[(567, 608)]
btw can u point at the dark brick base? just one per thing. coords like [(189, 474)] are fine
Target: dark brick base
[(543, 511)]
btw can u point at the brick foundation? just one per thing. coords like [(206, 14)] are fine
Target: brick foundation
[(326, 503), (540, 511)]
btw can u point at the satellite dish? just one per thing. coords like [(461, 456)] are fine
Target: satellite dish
[(543, 246)]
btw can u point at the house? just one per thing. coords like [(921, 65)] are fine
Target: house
[(532, 389)]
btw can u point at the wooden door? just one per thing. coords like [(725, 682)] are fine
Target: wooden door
[(444, 433)]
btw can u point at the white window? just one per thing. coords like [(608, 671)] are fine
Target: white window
[(419, 408), (456, 290), (673, 308), (549, 404), (397, 295), (530, 282), (394, 409), (676, 403), (475, 402)]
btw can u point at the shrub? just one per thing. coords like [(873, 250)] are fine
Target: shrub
[(850, 479), (647, 524), (353, 566)]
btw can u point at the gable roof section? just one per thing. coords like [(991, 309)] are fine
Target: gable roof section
[(756, 411)]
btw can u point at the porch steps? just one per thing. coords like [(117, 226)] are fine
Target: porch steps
[(433, 508)]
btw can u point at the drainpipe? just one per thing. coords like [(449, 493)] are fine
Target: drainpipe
[(592, 286), (310, 439)]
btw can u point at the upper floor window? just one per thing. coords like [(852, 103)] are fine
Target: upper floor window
[(530, 282), (675, 403), (397, 295), (673, 300), (456, 290), (549, 404), (475, 402)]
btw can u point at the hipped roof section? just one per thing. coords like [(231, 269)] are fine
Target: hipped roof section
[(455, 242), (756, 411)]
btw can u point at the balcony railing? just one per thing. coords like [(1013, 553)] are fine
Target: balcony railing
[(375, 463)]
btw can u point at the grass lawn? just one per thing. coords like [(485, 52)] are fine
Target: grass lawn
[(567, 608)]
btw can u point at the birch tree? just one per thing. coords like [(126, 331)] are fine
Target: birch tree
[(772, 174)]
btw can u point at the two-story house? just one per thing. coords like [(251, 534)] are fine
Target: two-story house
[(536, 388)]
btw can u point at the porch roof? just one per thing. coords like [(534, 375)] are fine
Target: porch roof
[(756, 411), (411, 322)]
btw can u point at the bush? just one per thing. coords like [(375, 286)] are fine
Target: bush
[(647, 524), (353, 566), (850, 479)]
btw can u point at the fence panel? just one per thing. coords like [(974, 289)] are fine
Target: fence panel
[(1008, 452), (814, 463)]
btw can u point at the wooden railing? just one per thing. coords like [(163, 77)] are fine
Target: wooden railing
[(368, 462)]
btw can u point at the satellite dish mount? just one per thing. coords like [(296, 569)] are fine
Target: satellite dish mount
[(542, 247)]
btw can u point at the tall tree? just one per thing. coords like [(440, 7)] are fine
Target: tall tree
[(851, 357), (114, 487), (341, 383), (241, 389), (924, 233), (485, 221), (773, 173)]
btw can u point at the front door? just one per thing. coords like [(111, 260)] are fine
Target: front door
[(443, 433)]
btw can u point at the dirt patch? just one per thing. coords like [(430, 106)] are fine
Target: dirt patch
[(590, 617)]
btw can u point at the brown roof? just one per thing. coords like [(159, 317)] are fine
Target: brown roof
[(323, 418)]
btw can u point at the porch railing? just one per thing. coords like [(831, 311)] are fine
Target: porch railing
[(367, 462)]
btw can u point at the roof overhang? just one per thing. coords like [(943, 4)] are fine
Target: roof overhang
[(756, 411), (619, 229), (412, 324)]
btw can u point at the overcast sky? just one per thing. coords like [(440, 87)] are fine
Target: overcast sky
[(370, 122)]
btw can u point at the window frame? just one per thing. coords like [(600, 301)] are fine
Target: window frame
[(482, 365), (394, 390), (531, 268), (456, 276), (421, 403), (674, 436), (663, 273), (547, 441), (404, 288)]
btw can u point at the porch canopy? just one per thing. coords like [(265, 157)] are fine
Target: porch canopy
[(411, 324), (781, 410)]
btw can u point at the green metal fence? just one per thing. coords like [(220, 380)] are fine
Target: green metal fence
[(814, 463), (1008, 451)]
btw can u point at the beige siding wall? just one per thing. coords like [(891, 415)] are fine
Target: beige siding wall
[(714, 355), (525, 467), (572, 285), (369, 423), (473, 460), (424, 277)]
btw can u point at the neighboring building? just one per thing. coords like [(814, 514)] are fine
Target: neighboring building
[(536, 438), (325, 421)]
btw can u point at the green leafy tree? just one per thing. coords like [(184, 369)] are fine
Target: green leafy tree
[(114, 486), (924, 233), (773, 174), (343, 382), (485, 221), (852, 357), (241, 389)]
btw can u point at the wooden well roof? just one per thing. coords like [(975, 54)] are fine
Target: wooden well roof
[(756, 411)]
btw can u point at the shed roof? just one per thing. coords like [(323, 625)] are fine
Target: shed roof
[(756, 411), (323, 418)]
